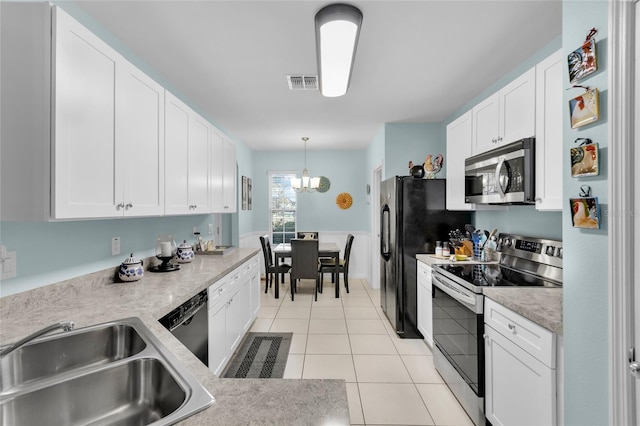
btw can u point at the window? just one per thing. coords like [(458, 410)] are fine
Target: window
[(282, 207)]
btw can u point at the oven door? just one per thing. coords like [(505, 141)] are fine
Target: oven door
[(458, 327)]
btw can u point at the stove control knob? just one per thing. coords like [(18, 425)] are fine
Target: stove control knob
[(507, 242), (550, 250), (559, 252)]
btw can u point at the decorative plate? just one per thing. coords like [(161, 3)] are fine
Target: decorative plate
[(344, 200), (325, 183)]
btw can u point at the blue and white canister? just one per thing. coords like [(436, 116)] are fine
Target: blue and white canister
[(185, 253), (131, 269)]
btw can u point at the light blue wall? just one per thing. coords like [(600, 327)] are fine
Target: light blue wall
[(52, 252), (586, 299), (406, 142), (375, 154), (317, 211)]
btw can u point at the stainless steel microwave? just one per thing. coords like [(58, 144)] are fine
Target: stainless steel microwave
[(504, 175)]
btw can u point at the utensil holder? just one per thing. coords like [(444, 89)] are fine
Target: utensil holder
[(477, 252)]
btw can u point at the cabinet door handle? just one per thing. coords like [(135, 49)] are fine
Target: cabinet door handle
[(129, 205), (512, 328), (120, 206)]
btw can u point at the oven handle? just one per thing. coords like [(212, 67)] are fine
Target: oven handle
[(454, 292)]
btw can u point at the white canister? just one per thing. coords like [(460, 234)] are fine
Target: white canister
[(185, 253), (131, 269), (438, 248), (445, 249)]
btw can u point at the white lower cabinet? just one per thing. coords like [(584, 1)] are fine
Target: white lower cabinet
[(520, 374), (231, 312), (425, 308)]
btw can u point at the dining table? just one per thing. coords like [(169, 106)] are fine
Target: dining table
[(283, 250)]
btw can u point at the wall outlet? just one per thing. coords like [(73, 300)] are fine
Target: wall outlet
[(115, 246), (195, 229), (9, 265), (211, 229)]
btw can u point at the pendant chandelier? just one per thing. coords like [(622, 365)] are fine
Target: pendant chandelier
[(305, 183)]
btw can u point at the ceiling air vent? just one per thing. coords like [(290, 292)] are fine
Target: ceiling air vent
[(302, 82)]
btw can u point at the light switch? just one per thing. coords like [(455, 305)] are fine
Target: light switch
[(9, 265)]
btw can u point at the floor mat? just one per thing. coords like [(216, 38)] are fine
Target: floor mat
[(260, 356)]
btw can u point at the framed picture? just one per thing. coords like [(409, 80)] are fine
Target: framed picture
[(245, 192), (249, 196), (585, 160), (582, 61), (584, 109), (585, 212)]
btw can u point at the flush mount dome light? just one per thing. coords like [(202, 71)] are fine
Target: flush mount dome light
[(337, 31)]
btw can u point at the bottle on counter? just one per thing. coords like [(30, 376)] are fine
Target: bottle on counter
[(438, 248), (445, 249)]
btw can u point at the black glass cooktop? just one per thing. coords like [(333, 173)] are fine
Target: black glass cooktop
[(493, 275)]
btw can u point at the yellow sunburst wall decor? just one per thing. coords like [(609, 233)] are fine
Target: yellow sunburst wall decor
[(344, 200)]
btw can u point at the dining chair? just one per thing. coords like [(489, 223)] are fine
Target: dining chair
[(305, 235), (269, 267), (304, 263), (329, 265)]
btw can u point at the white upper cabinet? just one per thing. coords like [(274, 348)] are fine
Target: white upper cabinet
[(84, 158), (549, 107), (506, 116), (186, 159), (198, 176), (82, 129), (229, 176), (458, 149), (222, 177), (216, 161), (140, 143)]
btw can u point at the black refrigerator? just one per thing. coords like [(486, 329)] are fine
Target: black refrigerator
[(413, 217)]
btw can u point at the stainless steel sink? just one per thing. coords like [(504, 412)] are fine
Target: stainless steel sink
[(137, 392), (57, 354), (113, 373)]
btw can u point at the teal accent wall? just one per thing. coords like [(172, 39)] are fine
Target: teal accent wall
[(316, 211), (586, 298)]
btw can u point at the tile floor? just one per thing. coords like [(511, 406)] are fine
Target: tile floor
[(390, 381)]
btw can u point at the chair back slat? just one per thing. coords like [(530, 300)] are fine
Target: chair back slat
[(347, 249), (266, 251), (304, 259)]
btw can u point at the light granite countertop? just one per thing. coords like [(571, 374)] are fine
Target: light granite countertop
[(541, 305), (99, 297)]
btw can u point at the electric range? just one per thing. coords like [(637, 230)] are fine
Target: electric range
[(458, 309)]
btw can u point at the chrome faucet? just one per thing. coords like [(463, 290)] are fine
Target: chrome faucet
[(64, 326)]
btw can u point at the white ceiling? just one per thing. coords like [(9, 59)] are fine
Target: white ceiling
[(417, 61)]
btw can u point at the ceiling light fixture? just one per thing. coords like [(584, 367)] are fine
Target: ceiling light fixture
[(337, 31), (305, 183)]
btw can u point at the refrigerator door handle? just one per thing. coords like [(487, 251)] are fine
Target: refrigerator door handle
[(385, 249)]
